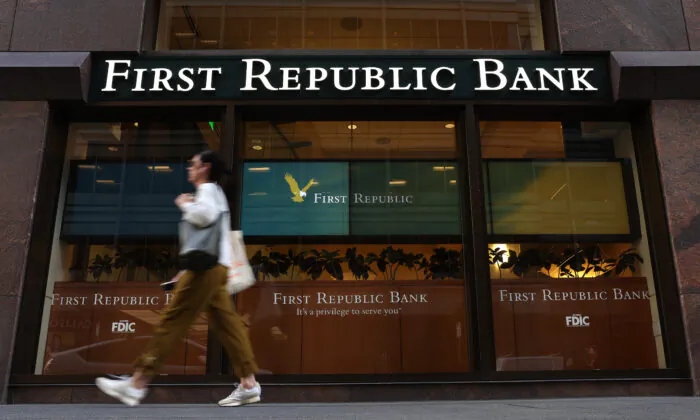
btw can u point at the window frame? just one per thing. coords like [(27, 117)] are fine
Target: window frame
[(630, 200), (638, 116), (157, 11), (467, 115), (40, 247)]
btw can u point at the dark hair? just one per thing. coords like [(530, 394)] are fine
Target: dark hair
[(217, 165)]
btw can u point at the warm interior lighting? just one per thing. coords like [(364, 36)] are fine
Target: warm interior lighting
[(555, 272), (86, 166), (315, 183), (160, 168), (257, 144), (184, 34), (449, 125), (209, 41), (352, 127), (136, 124), (113, 149), (502, 247), (443, 168), (397, 182), (453, 181), (259, 169), (105, 181)]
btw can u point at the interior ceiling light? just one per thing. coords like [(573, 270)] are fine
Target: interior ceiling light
[(136, 124), (257, 144), (209, 41), (163, 168), (453, 181), (449, 125), (397, 182), (352, 126), (259, 169), (184, 34), (443, 168), (113, 149)]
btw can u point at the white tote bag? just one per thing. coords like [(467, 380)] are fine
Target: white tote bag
[(240, 274)]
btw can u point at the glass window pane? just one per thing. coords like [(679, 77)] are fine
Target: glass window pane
[(365, 25), (387, 297), (381, 317), (350, 139), (556, 197), (350, 198), (582, 300), (117, 243)]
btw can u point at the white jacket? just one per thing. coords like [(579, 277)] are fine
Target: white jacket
[(210, 201)]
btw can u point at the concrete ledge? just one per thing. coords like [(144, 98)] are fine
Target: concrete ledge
[(44, 76), (365, 393), (655, 75)]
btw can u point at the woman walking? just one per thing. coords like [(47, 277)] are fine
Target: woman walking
[(206, 255)]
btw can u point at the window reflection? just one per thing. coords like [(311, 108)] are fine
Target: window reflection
[(357, 25), (350, 139), (567, 292), (371, 302), (357, 308), (117, 243)]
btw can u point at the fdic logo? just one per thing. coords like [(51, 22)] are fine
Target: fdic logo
[(578, 320), (124, 326)]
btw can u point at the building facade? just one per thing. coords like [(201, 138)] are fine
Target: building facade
[(441, 199)]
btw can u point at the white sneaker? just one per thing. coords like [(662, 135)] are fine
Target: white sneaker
[(242, 396), (122, 390)]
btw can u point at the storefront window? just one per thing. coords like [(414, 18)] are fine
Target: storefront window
[(356, 25), (317, 140), (116, 240), (359, 262), (571, 278)]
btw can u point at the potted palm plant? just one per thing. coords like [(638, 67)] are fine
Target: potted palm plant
[(318, 262), (101, 264), (359, 265)]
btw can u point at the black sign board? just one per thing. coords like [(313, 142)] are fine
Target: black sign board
[(544, 76)]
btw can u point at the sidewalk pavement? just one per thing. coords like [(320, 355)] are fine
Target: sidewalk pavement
[(665, 408)]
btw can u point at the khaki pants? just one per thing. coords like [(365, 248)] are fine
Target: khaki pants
[(194, 293)]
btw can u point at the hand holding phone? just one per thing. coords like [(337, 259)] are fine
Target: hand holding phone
[(170, 284)]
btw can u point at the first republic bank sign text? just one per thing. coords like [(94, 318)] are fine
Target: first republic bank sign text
[(429, 77)]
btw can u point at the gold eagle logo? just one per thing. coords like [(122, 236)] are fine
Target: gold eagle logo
[(294, 188)]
